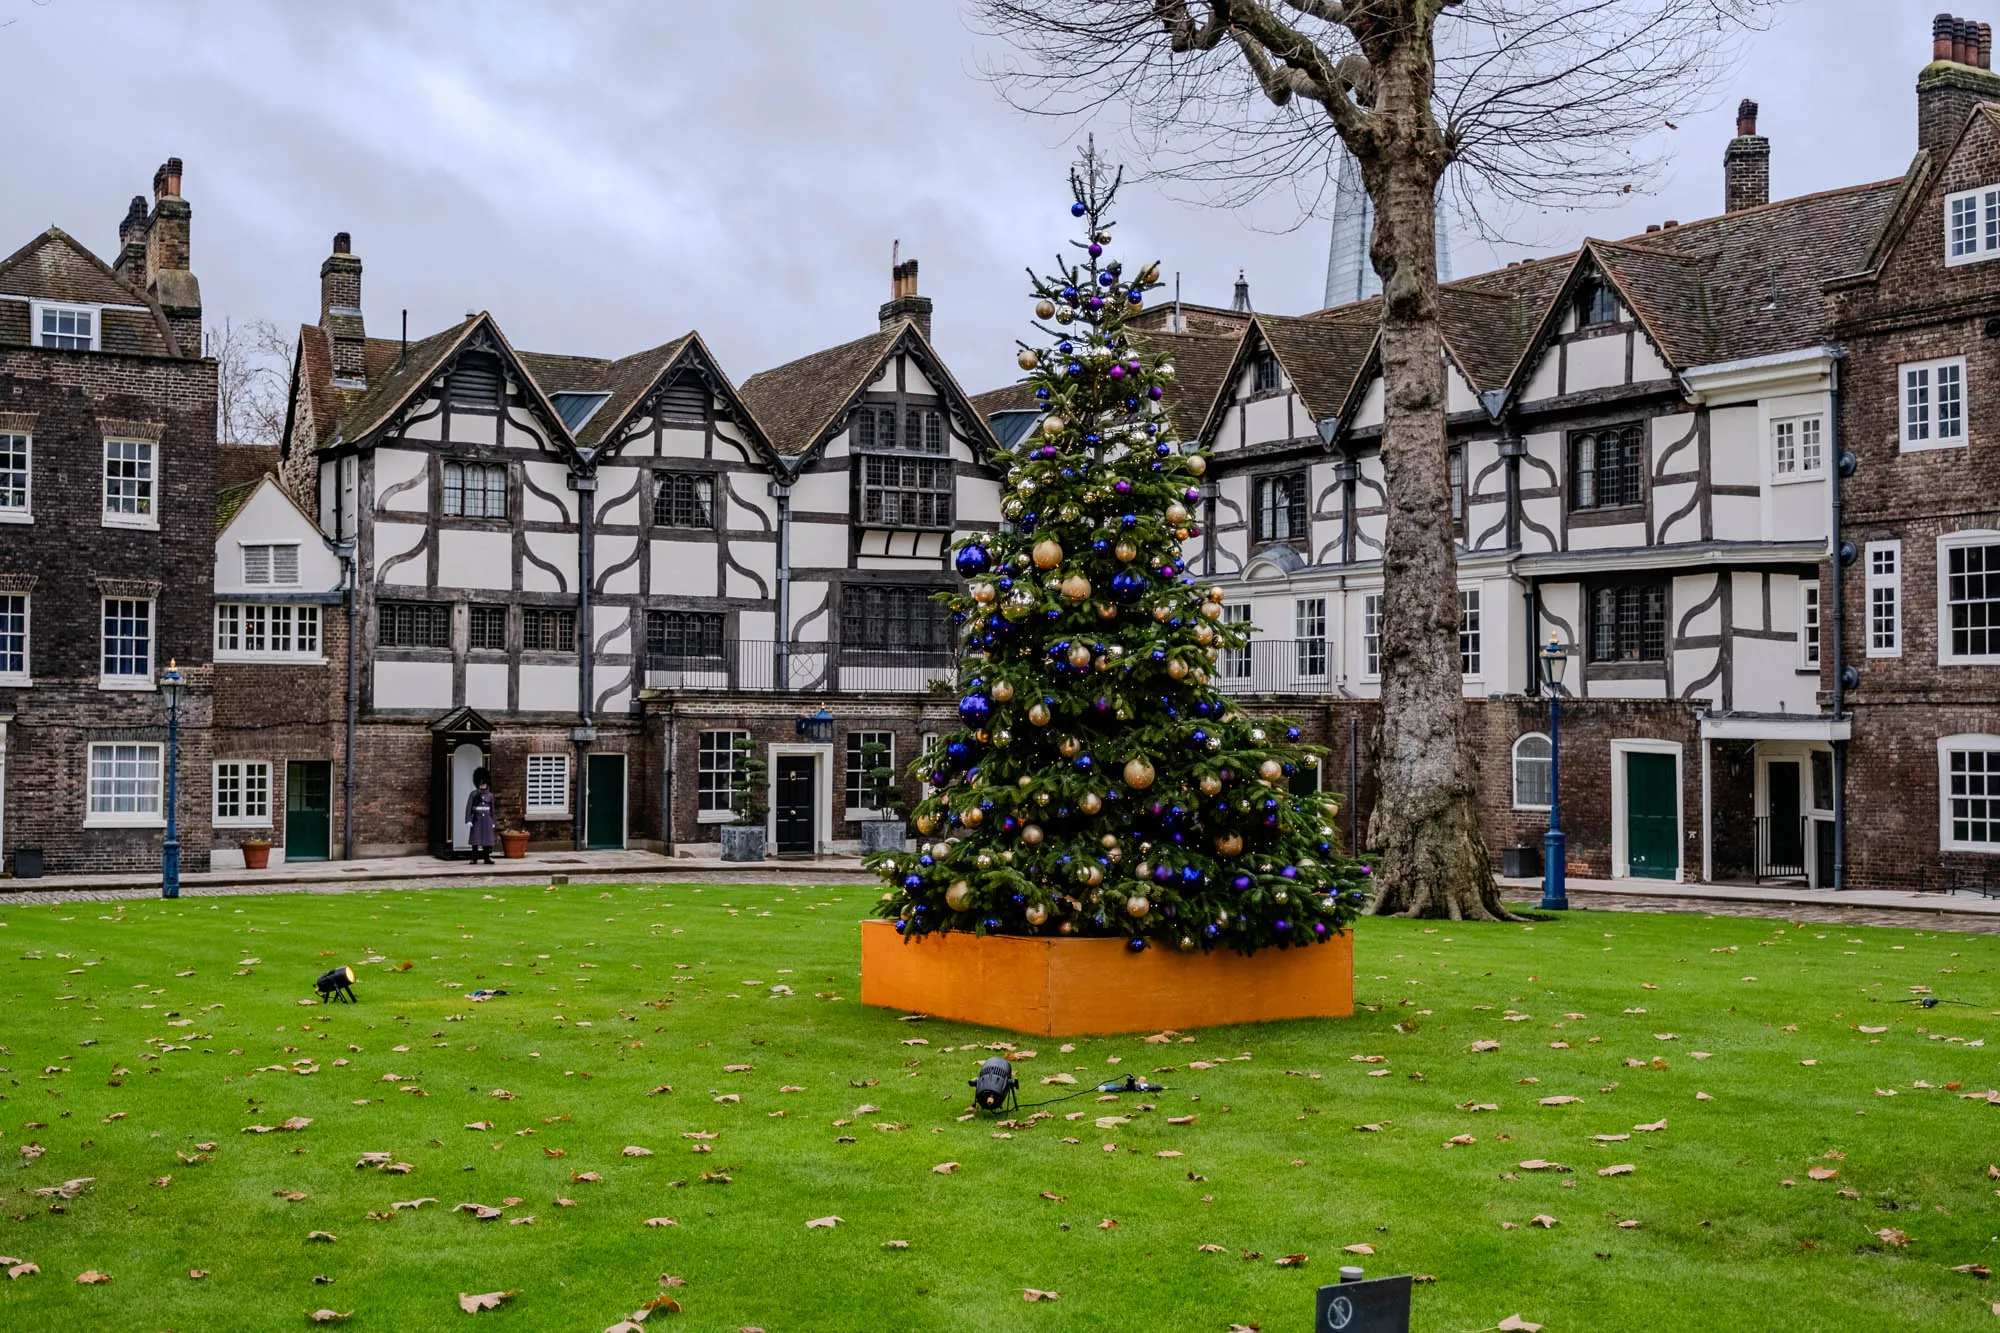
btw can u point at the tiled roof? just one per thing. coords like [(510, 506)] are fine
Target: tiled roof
[(56, 267), (1017, 397), (1201, 363), (229, 501), (796, 403), (390, 387), (1321, 356)]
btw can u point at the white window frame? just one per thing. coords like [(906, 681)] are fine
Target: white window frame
[(150, 517), (1963, 744), (1514, 768), (1471, 636), (238, 624), (1980, 208), (1890, 582), (37, 309), (1235, 663), (25, 676), (140, 816), (544, 771), (1945, 545), (1804, 435), (23, 512), (849, 774), (726, 813), (1810, 626), (130, 681), (1309, 650), (1371, 636), (249, 774), (269, 552), (1907, 414)]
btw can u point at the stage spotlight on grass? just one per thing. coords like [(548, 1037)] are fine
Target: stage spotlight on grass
[(336, 985), (995, 1085)]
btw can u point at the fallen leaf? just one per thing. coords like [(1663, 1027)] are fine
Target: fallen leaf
[(323, 1237), (412, 1203), (944, 1168), (1610, 1138), (1055, 1198), (489, 1300), (655, 1221), (1622, 1169), (1212, 1249), (1485, 1045), (635, 1152), (826, 1222), (1030, 1295), (1363, 1248), (1822, 1173), (895, 1245), (1180, 1119), (1369, 1129), (1459, 1140), (1059, 1078), (1977, 1270), (1513, 1323), (584, 1177), (1542, 1220), (1891, 1236), (1108, 1224), (330, 1316), (1559, 1101), (90, 1277), (21, 1269), (1290, 1261), (1649, 1129), (1628, 1224)]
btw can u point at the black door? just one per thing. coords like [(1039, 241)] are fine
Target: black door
[(308, 809), (604, 824), (795, 805), (1787, 846)]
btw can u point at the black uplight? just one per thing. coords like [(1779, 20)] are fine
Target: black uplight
[(336, 985), (995, 1084)]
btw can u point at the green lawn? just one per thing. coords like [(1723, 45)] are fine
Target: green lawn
[(133, 1035)]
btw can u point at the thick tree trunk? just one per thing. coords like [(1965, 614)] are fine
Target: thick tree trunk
[(1431, 858)]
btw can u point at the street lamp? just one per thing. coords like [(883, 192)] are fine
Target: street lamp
[(1555, 855), (170, 854)]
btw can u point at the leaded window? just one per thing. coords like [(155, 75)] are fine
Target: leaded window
[(486, 628), (548, 629), (682, 635), (1280, 507), (1607, 467), (1628, 623), (684, 500), (905, 492), (475, 490), (413, 625), (883, 618)]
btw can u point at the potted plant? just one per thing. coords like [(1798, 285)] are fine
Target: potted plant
[(744, 839), (886, 832), (256, 853), (514, 843)]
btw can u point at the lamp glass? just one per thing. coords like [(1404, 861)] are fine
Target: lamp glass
[(1555, 658)]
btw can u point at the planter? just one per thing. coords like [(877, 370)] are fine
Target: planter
[(884, 835), (742, 842), (27, 863), (1522, 862), (1057, 986), (256, 854), (514, 843)]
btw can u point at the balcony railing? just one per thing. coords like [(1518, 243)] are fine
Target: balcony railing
[(764, 667), (1277, 666)]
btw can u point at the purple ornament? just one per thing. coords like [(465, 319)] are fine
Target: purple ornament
[(1281, 924), (1117, 372), (1241, 883), (1156, 392), (1191, 494), (1097, 303), (1319, 929), (1095, 249), (1122, 486), (1290, 872), (1103, 705), (1162, 874), (1368, 870)]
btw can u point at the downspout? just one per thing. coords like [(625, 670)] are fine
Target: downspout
[(667, 785), (585, 730), (781, 646), (349, 577), (1531, 594), (1842, 465)]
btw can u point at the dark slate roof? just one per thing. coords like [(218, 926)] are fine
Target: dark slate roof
[(56, 267), (797, 402), (1201, 364), (1321, 356)]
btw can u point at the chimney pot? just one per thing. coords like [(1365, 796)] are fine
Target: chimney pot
[(1942, 28), (1986, 46), (167, 180), (1746, 118), (1652, 227), (904, 302), (1746, 164), (343, 244), (1671, 224)]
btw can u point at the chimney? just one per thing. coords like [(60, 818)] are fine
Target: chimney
[(340, 312), (1242, 298), (131, 264), (1746, 163), (904, 303), (1958, 79), (168, 280)]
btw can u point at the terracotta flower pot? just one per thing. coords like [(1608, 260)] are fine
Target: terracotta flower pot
[(514, 843), (256, 854)]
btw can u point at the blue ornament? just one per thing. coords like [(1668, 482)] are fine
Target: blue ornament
[(1136, 296), (973, 560), (1004, 583), (1042, 392), (1211, 930), (1125, 585), (1241, 883), (1065, 347), (1076, 367), (1198, 735), (957, 749), (1129, 520), (1083, 763), (1107, 279), (1291, 733), (902, 926), (1077, 210), (1100, 546), (973, 708), (1137, 944), (1281, 925), (913, 881), (1069, 293), (1190, 875)]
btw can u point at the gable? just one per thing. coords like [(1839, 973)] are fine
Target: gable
[(56, 267), (263, 516)]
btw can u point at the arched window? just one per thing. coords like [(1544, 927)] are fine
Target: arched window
[(1531, 772)]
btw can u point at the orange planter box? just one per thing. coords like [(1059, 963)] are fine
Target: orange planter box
[(1056, 986)]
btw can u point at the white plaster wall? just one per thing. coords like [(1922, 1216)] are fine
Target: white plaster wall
[(522, 430), (1228, 429), (1669, 500), (620, 492), (748, 505), (684, 569), (1562, 602), (1547, 375), (1458, 395), (914, 380), (474, 558), (1609, 536), (392, 540), (1370, 411), (429, 428), (484, 428), (548, 688), (1627, 689), (268, 516), (1737, 517), (1647, 364), (810, 597), (393, 467), (486, 686), (612, 550), (1596, 363), (551, 479), (1266, 420), (553, 548), (611, 629), (886, 381), (819, 545), (417, 685), (761, 558), (1735, 449), (1800, 511), (684, 442), (978, 502), (759, 626), (821, 492), (1768, 678)]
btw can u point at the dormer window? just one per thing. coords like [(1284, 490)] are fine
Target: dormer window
[(1265, 369), (1972, 226), (576, 407), (474, 381), (1595, 304), (68, 327)]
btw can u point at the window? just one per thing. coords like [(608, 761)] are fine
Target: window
[(1885, 599), (413, 625), (1969, 785), (475, 381), (486, 629), (1236, 661), (1971, 226), (1607, 467), (1629, 623), (875, 617), (933, 432), (679, 636), (257, 631), (548, 786), (548, 630), (860, 790), (15, 492), (475, 490), (127, 643), (124, 784), (1309, 623), (906, 492), (1595, 304), (1281, 508), (1970, 573), (1468, 632), (1455, 470), (576, 407), (1265, 370), (128, 484), (13, 638), (1531, 772), (242, 794), (715, 776), (71, 328), (683, 500), (1371, 634), (1796, 448), (275, 565), (1934, 404), (1809, 624)]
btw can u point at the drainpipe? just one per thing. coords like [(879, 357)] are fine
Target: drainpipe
[(349, 573), (781, 646), (585, 730), (1844, 464), (1531, 597), (667, 784)]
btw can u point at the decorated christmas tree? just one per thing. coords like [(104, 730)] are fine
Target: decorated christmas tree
[(1101, 785)]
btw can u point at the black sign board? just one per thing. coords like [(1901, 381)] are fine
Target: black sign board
[(1378, 1305)]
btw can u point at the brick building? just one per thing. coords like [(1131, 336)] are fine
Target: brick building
[(107, 505)]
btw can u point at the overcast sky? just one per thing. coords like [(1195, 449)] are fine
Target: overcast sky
[(604, 176)]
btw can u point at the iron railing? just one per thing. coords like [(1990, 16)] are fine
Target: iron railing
[(1781, 847), (1278, 666), (765, 667)]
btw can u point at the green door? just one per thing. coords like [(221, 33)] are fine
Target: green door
[(604, 823), (308, 809), (1652, 816)]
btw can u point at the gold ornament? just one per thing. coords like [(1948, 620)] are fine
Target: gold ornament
[(1045, 308), (984, 593), (1076, 587), (1028, 360), (1183, 533), (1197, 464), (1213, 610), (1107, 611), (1187, 945), (1177, 512), (1053, 425), (1109, 841), (1070, 747), (1003, 692), (1079, 655), (958, 895), (1031, 834), (1138, 774), (1203, 634), (1257, 735), (1281, 897), (1177, 668), (984, 861), (1041, 798), (1038, 713), (1230, 844), (973, 817), (1162, 613), (1125, 551), (1066, 928), (1115, 855), (1136, 906), (1149, 275), (1036, 914), (926, 824), (1091, 874), (1211, 785), (1048, 553), (1090, 803), (1024, 782), (1143, 870), (1003, 738), (1215, 594), (1270, 770)]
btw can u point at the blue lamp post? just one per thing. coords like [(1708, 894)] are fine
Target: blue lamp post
[(170, 854), (1555, 854)]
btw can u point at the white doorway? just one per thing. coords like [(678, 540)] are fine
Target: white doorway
[(466, 760)]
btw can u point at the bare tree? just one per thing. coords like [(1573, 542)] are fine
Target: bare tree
[(253, 381), (1529, 100)]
